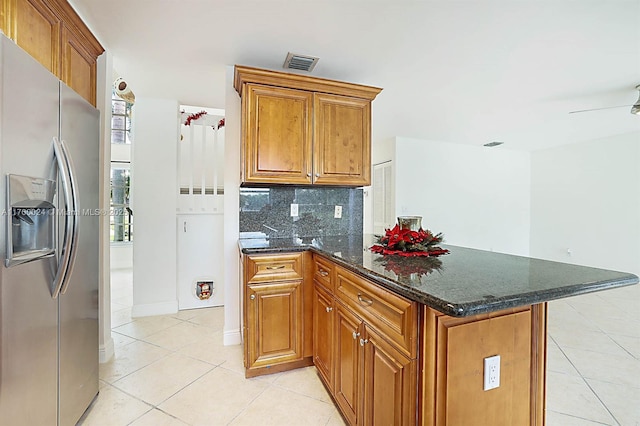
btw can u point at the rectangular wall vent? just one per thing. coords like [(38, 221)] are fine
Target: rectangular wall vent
[(300, 62), (492, 144)]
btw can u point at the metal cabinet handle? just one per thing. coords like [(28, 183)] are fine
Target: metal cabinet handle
[(322, 272), (317, 174), (363, 341), (355, 335), (329, 309), (364, 300), (308, 174), (271, 268), (252, 297)]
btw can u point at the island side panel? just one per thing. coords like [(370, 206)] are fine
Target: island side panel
[(453, 352)]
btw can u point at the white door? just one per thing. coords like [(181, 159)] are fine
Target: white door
[(200, 260)]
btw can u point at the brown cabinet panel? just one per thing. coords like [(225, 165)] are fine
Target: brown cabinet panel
[(323, 326), (342, 140), (278, 267), (304, 130), (36, 28), (78, 66), (274, 323), (277, 138), (52, 33), (278, 302), (323, 272), (454, 354), (390, 383), (347, 380), (388, 312)]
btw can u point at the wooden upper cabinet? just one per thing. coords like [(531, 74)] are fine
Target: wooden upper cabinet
[(35, 27), (278, 135), (302, 130), (52, 33), (342, 140), (78, 66)]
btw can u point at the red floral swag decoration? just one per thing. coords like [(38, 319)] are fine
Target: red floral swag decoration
[(197, 115), (405, 242)]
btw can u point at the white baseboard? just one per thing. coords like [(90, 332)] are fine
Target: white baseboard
[(151, 309), (106, 351), (231, 337)]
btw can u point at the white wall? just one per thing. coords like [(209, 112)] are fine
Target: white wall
[(153, 200), (586, 198), (103, 103), (476, 196), (121, 255), (232, 300)]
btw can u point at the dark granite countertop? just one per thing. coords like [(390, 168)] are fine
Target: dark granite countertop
[(461, 283)]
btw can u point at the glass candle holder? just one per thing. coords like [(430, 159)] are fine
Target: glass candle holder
[(413, 223)]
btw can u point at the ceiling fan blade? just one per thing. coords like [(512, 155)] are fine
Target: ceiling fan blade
[(598, 109)]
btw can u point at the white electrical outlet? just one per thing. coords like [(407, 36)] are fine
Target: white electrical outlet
[(294, 210), (491, 372), (338, 212)]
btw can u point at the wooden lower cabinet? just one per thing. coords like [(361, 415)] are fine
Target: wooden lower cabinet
[(323, 320), (453, 354), (375, 383), (277, 314), (347, 386), (428, 370), (390, 383), (274, 316)]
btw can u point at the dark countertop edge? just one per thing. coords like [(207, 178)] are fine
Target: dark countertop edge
[(455, 310)]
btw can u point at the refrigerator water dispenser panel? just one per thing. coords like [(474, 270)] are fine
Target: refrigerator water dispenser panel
[(31, 218)]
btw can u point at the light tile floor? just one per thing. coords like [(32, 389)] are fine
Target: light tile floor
[(174, 370)]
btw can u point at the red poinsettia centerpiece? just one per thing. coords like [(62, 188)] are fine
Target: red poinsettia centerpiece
[(405, 242)]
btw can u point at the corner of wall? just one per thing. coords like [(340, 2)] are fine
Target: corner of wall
[(232, 296)]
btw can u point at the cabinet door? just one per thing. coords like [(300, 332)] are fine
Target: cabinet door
[(35, 28), (342, 140), (347, 363), (390, 383), (323, 318), (276, 135), (78, 66), (274, 323)]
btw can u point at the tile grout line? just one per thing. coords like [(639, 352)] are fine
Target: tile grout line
[(580, 418), (587, 383)]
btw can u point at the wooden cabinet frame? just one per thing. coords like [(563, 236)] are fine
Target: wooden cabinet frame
[(375, 378), (277, 312), (53, 33), (482, 336), (303, 130)]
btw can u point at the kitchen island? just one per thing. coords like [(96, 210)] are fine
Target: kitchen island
[(404, 340)]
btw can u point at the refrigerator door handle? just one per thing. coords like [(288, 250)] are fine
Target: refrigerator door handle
[(63, 260), (73, 184)]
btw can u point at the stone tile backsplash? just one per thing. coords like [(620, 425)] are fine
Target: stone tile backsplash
[(268, 210)]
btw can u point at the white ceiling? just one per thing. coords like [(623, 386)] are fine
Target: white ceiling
[(458, 71)]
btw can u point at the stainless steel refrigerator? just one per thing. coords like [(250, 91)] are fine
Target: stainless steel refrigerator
[(49, 162)]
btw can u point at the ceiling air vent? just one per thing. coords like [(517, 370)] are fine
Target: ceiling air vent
[(300, 62), (492, 144)]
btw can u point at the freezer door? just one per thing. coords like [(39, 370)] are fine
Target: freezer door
[(79, 300), (28, 315)]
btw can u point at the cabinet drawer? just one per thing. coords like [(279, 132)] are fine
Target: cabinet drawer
[(269, 268), (323, 272), (391, 314)]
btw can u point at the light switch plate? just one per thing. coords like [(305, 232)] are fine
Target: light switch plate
[(294, 210)]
